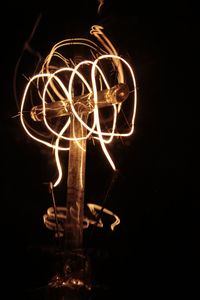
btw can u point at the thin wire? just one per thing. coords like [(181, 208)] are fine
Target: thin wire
[(28, 48), (51, 190), (105, 200)]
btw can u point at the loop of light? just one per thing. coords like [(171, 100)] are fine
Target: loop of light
[(52, 86), (95, 209)]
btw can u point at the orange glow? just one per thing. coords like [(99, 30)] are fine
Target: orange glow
[(67, 90), (54, 85), (49, 218)]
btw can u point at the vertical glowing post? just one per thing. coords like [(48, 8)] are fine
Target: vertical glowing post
[(75, 187)]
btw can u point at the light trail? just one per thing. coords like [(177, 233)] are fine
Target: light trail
[(56, 96), (64, 91)]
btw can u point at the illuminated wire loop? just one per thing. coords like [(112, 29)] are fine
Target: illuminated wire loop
[(107, 97), (57, 95), (97, 212)]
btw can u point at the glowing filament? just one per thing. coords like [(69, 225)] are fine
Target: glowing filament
[(96, 210), (74, 89)]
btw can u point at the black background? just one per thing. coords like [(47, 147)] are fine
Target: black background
[(155, 248)]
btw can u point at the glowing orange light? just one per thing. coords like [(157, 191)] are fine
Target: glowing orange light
[(52, 93), (55, 92), (50, 216)]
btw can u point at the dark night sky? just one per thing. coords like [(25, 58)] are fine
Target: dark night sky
[(156, 194)]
